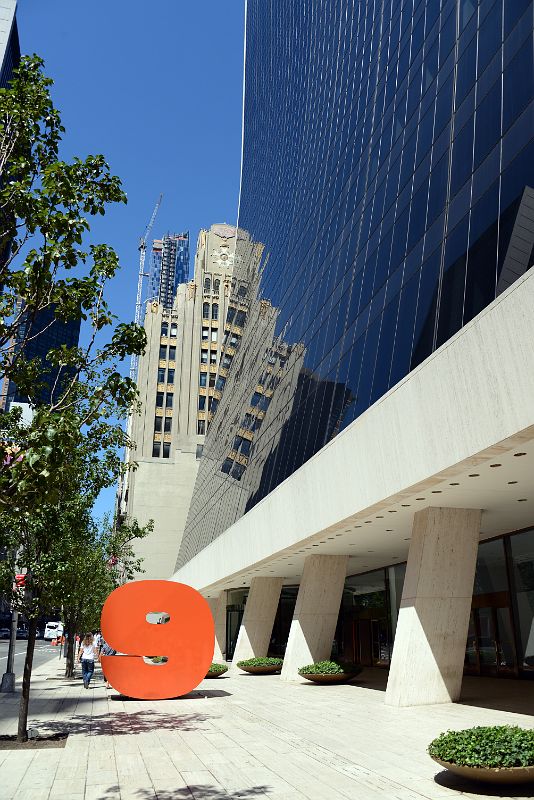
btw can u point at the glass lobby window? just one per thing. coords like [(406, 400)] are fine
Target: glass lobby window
[(156, 448), (166, 449), (161, 374), (215, 311), (168, 424), (206, 310), (490, 573), (163, 351), (170, 376), (157, 424), (164, 328), (365, 637), (522, 546), (172, 352), (159, 400)]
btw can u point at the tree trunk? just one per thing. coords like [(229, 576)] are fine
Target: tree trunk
[(71, 644), (22, 733)]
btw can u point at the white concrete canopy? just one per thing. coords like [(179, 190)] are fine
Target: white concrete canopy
[(429, 649), (316, 613), (258, 619), (458, 431)]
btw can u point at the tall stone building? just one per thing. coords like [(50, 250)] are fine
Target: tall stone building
[(179, 380)]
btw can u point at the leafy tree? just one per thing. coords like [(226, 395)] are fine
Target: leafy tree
[(45, 208)]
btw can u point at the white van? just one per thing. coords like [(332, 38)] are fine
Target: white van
[(53, 630)]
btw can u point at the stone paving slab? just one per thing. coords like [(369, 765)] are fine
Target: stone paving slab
[(249, 739)]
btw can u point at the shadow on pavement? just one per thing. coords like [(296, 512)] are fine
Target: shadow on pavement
[(125, 723), (205, 791), (196, 695), (480, 789)]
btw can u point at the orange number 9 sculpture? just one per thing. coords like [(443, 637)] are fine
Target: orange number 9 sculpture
[(187, 639)]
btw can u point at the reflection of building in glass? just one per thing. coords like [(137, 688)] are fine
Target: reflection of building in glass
[(179, 382), (170, 267), (388, 170)]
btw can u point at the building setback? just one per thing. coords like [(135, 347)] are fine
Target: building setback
[(180, 378), (384, 513)]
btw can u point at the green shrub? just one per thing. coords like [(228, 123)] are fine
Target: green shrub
[(218, 668), (330, 668), (499, 746), (261, 662)]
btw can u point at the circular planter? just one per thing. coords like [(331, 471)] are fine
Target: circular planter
[(490, 774), (216, 674), (339, 677), (266, 670)]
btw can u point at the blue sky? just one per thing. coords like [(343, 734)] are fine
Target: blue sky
[(157, 88)]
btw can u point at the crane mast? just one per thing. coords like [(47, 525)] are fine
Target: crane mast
[(140, 280)]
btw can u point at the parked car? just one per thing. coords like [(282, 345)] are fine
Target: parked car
[(5, 633), (22, 633)]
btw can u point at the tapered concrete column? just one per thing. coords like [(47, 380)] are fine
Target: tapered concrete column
[(429, 650), (316, 613), (218, 611), (258, 619)]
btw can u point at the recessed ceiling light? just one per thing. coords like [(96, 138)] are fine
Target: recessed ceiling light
[(454, 484), (495, 465), (405, 505), (368, 521), (380, 516), (511, 482), (420, 498), (392, 511), (474, 475), (522, 500), (389, 530), (315, 545), (516, 455), (357, 526), (370, 551), (347, 530), (407, 538), (436, 491), (331, 538)]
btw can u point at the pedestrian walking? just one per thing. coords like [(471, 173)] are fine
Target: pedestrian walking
[(97, 639), (106, 650), (87, 655)]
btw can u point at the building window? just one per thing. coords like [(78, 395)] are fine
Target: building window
[(256, 397), (230, 315), (174, 330), (163, 351), (203, 379), (245, 447), (242, 291), (170, 376), (166, 449), (214, 333), (227, 465), (200, 449), (215, 311), (206, 310), (157, 424), (207, 283), (212, 380), (159, 400), (213, 357), (219, 384), (161, 374), (237, 471), (201, 427), (164, 328), (168, 424), (216, 285), (172, 353), (227, 360), (156, 447), (201, 402), (240, 318), (168, 401), (203, 356), (205, 334)]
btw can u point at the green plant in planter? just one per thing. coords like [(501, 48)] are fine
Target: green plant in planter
[(261, 662), (330, 668), (217, 669), (490, 747)]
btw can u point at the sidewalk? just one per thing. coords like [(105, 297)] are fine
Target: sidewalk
[(246, 737)]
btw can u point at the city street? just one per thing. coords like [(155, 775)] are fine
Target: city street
[(43, 653)]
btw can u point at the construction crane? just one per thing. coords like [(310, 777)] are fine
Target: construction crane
[(142, 275)]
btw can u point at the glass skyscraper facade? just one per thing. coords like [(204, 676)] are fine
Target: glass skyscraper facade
[(388, 175)]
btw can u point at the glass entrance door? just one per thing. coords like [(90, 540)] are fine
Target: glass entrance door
[(490, 643)]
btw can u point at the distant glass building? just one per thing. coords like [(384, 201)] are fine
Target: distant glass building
[(377, 419), (170, 267), (9, 41)]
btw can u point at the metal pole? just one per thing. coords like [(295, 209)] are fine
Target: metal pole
[(8, 678)]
